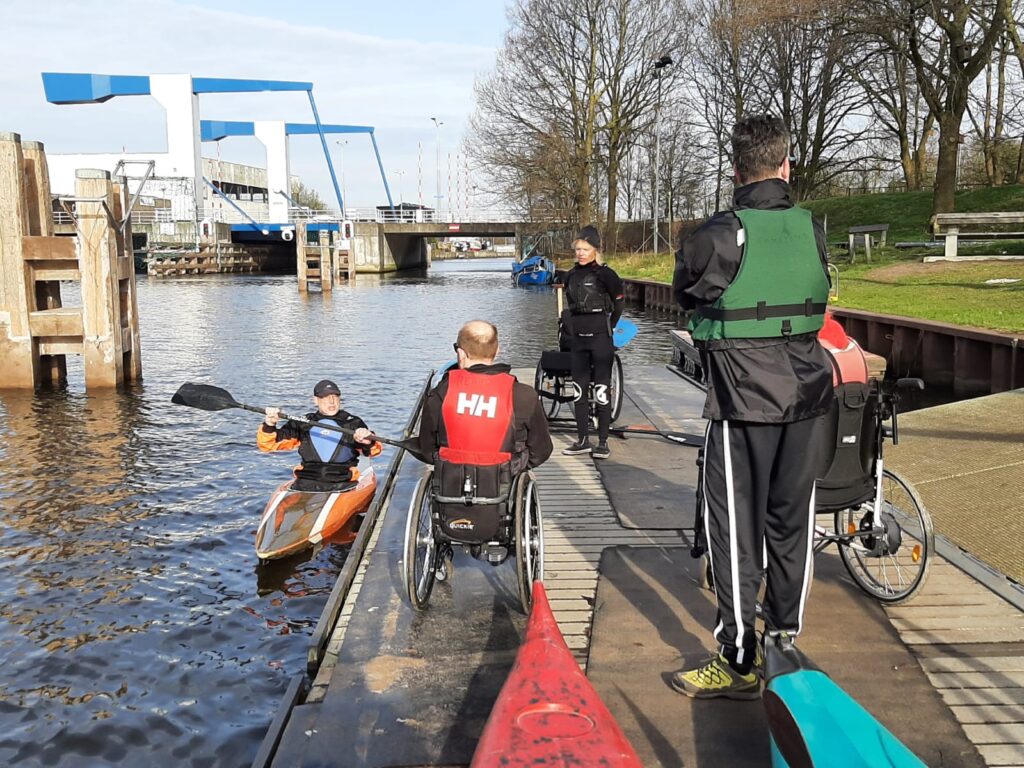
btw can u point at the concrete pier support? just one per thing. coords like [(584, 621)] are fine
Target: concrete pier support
[(36, 330)]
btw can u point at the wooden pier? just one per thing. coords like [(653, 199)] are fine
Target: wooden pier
[(391, 687), (224, 258), (37, 330)]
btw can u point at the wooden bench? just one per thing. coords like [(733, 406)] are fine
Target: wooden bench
[(863, 234), (950, 226)]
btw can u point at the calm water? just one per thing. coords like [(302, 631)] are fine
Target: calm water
[(136, 627)]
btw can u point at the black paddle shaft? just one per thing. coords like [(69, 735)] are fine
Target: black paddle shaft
[(207, 397)]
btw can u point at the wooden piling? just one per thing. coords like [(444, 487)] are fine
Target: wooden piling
[(36, 330), (314, 260), (21, 367), (40, 223)]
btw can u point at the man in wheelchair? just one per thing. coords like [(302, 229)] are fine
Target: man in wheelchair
[(483, 429)]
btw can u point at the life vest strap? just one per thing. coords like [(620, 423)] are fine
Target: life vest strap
[(763, 311), (477, 458)]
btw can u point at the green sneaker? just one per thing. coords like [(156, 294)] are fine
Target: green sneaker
[(715, 678)]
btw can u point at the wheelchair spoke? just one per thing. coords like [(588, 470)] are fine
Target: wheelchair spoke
[(888, 558)]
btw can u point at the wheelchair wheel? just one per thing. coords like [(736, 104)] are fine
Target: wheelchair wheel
[(550, 385), (420, 561), (615, 393), (529, 538), (889, 566)]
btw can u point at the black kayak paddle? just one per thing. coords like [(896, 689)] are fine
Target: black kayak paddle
[(207, 397)]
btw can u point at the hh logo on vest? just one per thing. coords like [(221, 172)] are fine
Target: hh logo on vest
[(477, 417), (477, 405)]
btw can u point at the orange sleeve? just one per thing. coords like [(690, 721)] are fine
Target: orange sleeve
[(267, 442), (376, 448)]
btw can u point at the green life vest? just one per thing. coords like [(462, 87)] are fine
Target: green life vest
[(780, 289)]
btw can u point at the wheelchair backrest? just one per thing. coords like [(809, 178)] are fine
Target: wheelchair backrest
[(846, 470), (472, 500)]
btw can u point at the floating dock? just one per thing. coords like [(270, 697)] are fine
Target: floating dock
[(388, 687)]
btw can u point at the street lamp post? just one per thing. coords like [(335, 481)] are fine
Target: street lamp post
[(659, 65), (437, 166), (401, 195), (341, 165)]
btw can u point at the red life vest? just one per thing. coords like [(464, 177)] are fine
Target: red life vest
[(477, 418), (848, 363)]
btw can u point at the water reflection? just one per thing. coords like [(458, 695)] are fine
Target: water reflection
[(134, 620)]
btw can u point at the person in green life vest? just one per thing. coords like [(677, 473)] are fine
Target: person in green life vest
[(757, 282)]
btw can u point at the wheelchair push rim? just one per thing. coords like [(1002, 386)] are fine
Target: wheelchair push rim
[(889, 561), (550, 385), (420, 560), (529, 538)]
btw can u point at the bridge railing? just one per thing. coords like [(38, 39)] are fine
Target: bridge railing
[(261, 215), (490, 214)]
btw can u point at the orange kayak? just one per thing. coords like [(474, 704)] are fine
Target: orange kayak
[(548, 714), (294, 520)]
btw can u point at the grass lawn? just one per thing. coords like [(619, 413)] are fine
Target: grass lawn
[(907, 213), (951, 292), (896, 282)]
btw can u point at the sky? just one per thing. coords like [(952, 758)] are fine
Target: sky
[(392, 65)]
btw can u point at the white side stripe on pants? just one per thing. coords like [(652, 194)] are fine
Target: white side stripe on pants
[(707, 519), (807, 561), (734, 560)]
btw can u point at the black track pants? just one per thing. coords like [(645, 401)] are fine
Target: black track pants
[(592, 362), (759, 512)]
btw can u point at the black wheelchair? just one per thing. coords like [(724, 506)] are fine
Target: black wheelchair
[(488, 511), (873, 515), (554, 385)]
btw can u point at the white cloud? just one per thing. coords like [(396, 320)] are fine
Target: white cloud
[(394, 85)]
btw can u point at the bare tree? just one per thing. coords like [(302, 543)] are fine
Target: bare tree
[(950, 43), (541, 103), (880, 64), (634, 34)]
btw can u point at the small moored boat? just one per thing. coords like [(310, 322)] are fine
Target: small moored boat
[(548, 713), (533, 269), (294, 520)]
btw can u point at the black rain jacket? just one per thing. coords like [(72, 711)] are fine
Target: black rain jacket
[(770, 381)]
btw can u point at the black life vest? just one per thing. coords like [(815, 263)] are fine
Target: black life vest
[(585, 293), (326, 446), (477, 419)]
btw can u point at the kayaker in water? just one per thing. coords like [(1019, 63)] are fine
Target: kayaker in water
[(329, 458), (594, 300), (756, 277), (479, 414)]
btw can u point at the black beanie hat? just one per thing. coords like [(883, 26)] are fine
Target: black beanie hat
[(591, 235)]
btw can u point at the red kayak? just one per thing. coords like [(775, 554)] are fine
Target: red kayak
[(548, 713)]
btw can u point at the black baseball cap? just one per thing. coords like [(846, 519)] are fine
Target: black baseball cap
[(326, 387)]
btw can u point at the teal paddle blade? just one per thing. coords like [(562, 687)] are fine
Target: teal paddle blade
[(624, 332)]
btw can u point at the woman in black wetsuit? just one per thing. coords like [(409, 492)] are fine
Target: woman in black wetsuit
[(593, 295)]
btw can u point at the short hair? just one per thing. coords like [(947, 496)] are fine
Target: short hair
[(479, 339), (760, 144)]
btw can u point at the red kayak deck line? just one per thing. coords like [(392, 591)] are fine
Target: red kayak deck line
[(548, 713)]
